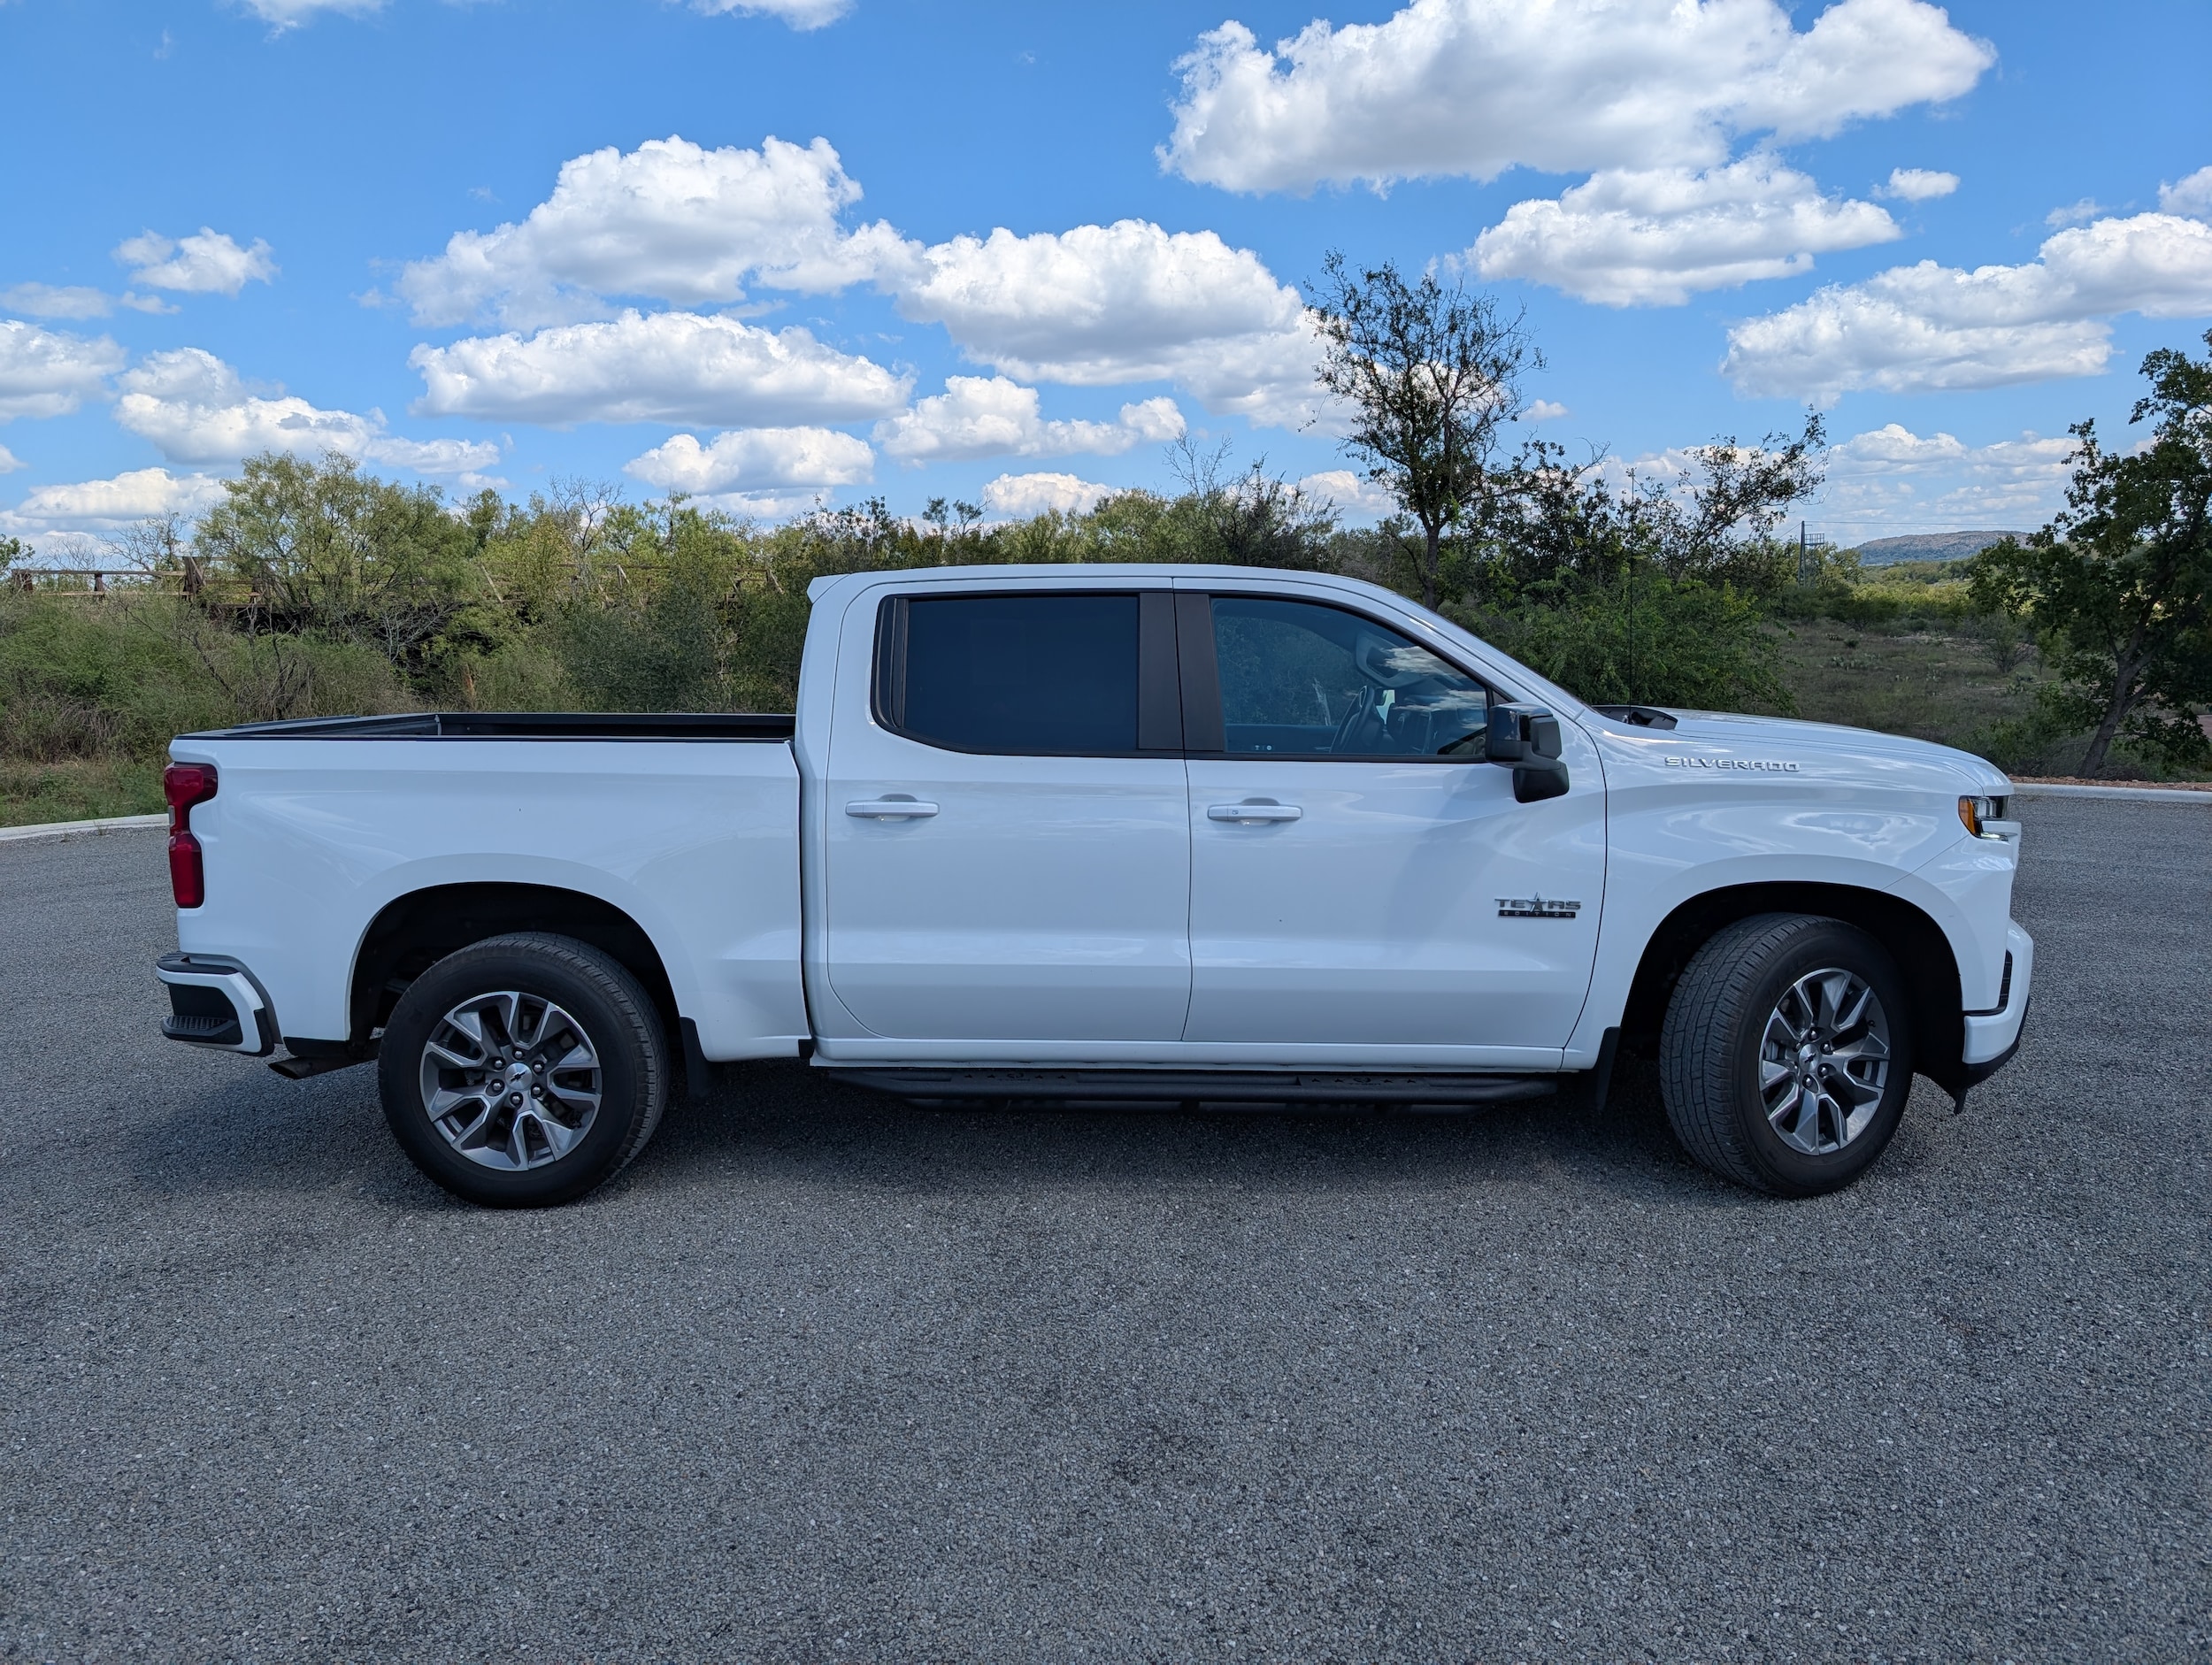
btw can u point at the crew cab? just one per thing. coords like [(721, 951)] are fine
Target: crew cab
[(1165, 834)]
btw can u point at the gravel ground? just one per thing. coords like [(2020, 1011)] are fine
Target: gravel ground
[(825, 1378)]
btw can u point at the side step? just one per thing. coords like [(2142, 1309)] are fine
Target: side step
[(1172, 1087)]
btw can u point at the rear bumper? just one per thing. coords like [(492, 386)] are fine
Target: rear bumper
[(216, 1002), (1993, 1036)]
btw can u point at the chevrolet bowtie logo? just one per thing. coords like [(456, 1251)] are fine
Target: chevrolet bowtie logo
[(1536, 908)]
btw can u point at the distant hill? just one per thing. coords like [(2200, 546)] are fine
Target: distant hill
[(1930, 546)]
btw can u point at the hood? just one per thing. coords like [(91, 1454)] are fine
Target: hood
[(1724, 734)]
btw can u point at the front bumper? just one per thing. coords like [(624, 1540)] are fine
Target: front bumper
[(1993, 1036), (216, 1002)]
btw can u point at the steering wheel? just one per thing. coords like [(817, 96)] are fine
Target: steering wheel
[(1362, 708)]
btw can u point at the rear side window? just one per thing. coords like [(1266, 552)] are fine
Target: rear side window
[(1035, 675)]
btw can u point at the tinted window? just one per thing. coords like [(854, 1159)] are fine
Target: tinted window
[(1037, 674), (1302, 679)]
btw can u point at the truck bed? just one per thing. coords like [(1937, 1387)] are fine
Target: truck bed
[(307, 845)]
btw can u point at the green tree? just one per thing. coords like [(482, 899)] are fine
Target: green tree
[(1644, 639), (2119, 586), (1549, 520), (1249, 520), (1650, 591), (327, 549), (1432, 376)]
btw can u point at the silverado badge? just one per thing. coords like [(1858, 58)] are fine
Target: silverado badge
[(1768, 764)]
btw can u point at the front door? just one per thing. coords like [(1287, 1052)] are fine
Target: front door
[(1009, 853), (1354, 861)]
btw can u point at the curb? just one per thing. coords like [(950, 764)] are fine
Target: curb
[(2124, 794), (65, 829)]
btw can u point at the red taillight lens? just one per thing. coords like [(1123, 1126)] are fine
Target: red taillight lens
[(187, 880), (185, 785)]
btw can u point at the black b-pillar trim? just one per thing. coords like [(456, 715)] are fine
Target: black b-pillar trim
[(1159, 686), (1203, 730)]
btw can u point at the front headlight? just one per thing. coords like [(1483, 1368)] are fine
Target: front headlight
[(1986, 818)]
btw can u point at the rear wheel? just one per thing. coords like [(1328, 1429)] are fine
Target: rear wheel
[(1786, 1058), (524, 1071)]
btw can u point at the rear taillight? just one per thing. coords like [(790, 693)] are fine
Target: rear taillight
[(186, 784)]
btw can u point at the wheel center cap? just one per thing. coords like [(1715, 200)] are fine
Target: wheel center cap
[(1805, 1054)]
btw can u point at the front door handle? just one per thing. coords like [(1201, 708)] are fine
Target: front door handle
[(890, 808), (1254, 813)]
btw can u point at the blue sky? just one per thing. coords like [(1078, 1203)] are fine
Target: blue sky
[(1005, 252)]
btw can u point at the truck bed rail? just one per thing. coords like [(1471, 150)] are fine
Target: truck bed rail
[(773, 727)]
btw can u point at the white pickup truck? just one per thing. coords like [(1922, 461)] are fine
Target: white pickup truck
[(1080, 833)]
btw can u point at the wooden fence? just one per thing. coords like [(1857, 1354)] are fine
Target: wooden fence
[(189, 579)]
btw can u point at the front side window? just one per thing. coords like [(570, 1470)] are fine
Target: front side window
[(1303, 679), (1031, 675)]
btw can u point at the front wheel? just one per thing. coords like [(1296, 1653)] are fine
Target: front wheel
[(524, 1071), (1786, 1053)]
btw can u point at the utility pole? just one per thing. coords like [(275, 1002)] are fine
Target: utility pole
[(1804, 562)]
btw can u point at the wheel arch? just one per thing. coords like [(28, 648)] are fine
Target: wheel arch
[(1922, 953), (412, 932)]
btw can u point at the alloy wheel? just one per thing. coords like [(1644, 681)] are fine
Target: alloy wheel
[(1825, 1060), (511, 1080)]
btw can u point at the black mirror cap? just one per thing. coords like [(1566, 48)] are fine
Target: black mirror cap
[(1518, 733), (1540, 779), (1505, 744)]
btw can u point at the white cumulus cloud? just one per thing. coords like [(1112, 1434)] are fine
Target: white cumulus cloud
[(1472, 88), (654, 367), (980, 416), (755, 460), (208, 262), (10, 462), (1919, 185), (799, 14), (46, 300), (669, 219), (51, 373), (2077, 213), (280, 15), (1652, 236), (673, 223), (1931, 326), (1356, 496), (1101, 305), (1018, 497), (2192, 197), (1890, 479), (109, 506), (197, 409)]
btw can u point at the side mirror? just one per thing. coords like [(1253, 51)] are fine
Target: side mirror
[(1526, 740)]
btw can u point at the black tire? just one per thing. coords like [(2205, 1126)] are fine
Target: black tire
[(621, 1029), (1710, 1051)]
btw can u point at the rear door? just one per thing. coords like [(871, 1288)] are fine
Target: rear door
[(1361, 875), (1009, 846)]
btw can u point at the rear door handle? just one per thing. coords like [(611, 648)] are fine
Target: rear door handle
[(890, 808), (1253, 812)]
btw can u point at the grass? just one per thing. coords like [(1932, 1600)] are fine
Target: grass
[(77, 789), (1966, 685), (1927, 683)]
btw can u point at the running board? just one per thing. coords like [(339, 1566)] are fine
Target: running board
[(1262, 1086)]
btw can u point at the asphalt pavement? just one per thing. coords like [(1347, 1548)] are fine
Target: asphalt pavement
[(827, 1379)]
